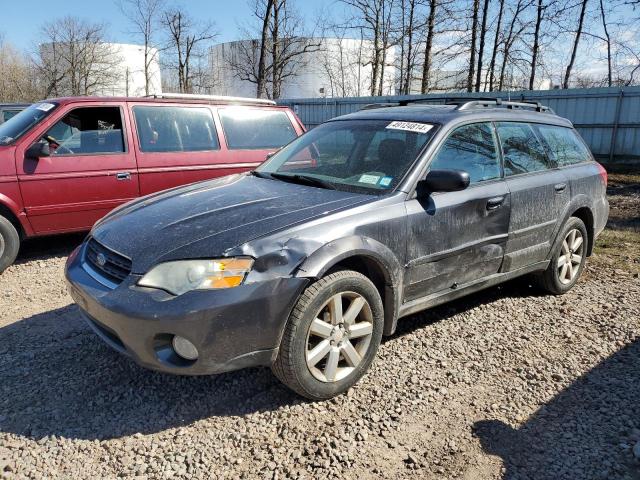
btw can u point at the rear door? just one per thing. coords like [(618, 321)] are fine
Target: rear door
[(539, 194), (90, 170), (459, 237)]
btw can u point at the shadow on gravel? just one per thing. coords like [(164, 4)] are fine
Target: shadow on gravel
[(46, 247), (582, 433), (59, 379)]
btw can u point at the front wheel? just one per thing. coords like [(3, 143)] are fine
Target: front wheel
[(9, 243), (331, 337), (568, 259)]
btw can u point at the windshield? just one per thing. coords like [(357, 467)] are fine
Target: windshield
[(20, 124), (369, 156)]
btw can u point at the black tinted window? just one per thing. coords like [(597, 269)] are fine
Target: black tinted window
[(471, 148), (521, 149), (85, 131), (252, 128), (564, 145), (175, 129)]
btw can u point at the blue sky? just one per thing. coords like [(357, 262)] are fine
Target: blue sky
[(20, 20)]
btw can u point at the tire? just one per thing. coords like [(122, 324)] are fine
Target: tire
[(9, 243), (323, 377), (561, 275)]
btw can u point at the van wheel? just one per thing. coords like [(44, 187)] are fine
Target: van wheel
[(568, 259), (9, 243), (331, 337)]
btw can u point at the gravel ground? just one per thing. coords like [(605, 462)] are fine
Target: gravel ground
[(507, 383)]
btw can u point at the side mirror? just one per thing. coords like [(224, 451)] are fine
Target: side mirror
[(37, 150), (443, 181)]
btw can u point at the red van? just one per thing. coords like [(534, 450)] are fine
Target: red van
[(65, 163)]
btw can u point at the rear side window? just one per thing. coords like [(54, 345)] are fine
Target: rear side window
[(175, 129), (252, 128), (87, 131), (521, 149), (564, 145), (471, 148)]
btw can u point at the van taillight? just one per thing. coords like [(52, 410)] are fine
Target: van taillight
[(603, 174)]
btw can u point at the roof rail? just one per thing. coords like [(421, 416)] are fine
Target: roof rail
[(498, 102), (372, 106), (213, 98)]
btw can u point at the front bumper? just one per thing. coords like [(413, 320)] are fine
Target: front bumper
[(231, 328)]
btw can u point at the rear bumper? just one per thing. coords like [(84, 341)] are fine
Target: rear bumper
[(232, 329)]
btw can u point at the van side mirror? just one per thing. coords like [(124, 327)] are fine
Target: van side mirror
[(443, 181), (37, 150)]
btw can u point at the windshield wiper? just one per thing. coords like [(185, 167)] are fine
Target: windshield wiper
[(306, 179), (258, 174)]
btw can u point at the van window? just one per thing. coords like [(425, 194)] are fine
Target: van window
[(521, 149), (85, 131), (564, 145), (471, 148), (175, 129), (253, 128)]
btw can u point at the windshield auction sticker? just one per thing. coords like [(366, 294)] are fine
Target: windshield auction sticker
[(410, 127), (45, 107)]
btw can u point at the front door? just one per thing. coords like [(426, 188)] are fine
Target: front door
[(459, 237), (90, 170)]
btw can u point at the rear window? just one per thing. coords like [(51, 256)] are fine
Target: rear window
[(175, 129), (254, 129), (564, 145), (521, 149)]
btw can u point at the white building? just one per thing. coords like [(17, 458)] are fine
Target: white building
[(333, 68), (112, 69)]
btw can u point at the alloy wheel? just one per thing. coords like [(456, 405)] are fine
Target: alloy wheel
[(571, 256), (339, 337)]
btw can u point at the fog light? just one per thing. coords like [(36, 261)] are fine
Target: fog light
[(184, 348)]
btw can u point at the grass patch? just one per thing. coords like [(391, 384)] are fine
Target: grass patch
[(618, 249)]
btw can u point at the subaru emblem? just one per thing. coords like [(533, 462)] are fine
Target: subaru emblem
[(101, 260)]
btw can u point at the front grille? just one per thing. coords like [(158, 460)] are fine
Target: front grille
[(113, 266)]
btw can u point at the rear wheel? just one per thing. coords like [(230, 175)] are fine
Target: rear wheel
[(568, 260), (9, 243), (331, 337)]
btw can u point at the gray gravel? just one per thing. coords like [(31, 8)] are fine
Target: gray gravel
[(504, 384)]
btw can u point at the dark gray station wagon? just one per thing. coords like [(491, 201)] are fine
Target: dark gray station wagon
[(304, 263)]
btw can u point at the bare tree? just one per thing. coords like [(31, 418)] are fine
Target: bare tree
[(284, 43), (144, 16), (576, 42), (75, 58), (472, 50), (483, 34), (605, 28), (186, 41), (428, 46), (496, 45), (18, 81)]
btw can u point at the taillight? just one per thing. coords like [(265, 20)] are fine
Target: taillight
[(603, 174)]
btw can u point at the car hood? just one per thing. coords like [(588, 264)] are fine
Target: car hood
[(204, 220)]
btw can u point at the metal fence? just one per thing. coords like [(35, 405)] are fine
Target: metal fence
[(607, 118)]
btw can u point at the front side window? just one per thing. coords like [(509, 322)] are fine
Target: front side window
[(471, 148), (368, 156), (564, 145), (521, 149), (87, 131), (255, 129), (21, 123), (175, 129)]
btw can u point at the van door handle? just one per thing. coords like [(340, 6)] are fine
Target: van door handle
[(560, 187), (495, 202), (123, 176)]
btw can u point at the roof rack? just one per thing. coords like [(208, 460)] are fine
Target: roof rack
[(498, 102), (213, 98), (371, 106)]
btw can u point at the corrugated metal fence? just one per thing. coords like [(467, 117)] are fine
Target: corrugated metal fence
[(607, 118)]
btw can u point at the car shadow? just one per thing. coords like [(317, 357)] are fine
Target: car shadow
[(47, 247), (584, 432), (58, 378)]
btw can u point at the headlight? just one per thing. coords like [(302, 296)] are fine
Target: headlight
[(185, 275)]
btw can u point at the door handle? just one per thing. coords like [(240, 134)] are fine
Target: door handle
[(123, 176), (495, 202), (560, 187)]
